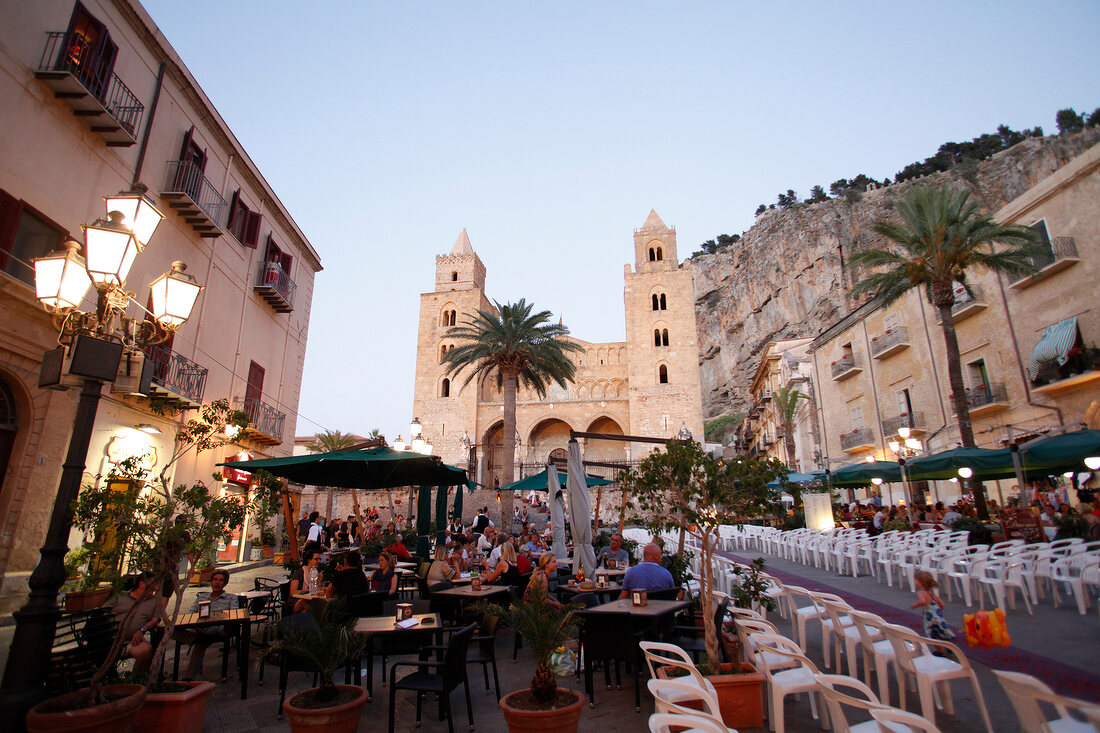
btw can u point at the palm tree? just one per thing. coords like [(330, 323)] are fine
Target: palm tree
[(326, 442), (515, 346), (942, 236), (786, 400)]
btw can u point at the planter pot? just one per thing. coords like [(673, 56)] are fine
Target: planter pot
[(116, 716), (84, 600), (268, 551), (740, 696), (279, 558), (255, 553), (175, 712), (202, 576), (337, 719), (559, 720)]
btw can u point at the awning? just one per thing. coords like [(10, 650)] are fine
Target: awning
[(986, 463), (540, 480), (1054, 346)]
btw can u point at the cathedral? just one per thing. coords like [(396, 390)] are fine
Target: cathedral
[(648, 385)]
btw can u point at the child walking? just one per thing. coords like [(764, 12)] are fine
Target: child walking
[(935, 625)]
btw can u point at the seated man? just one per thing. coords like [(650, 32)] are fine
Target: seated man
[(137, 612), (615, 552), (201, 639), (648, 575), (349, 579)]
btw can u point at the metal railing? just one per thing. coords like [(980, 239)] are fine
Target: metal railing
[(272, 275), (860, 436), (71, 53), (177, 374), (979, 297), (892, 337), (911, 420), (264, 418), (187, 178), (1061, 248), (986, 394), (844, 364)]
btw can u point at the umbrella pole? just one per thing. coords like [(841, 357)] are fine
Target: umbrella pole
[(291, 525), (355, 508), (596, 521)]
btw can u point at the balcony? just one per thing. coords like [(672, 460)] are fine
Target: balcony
[(1082, 368), (986, 399), (914, 421), (889, 343), (276, 287), (844, 367), (1062, 254), (84, 80), (857, 441), (265, 422), (176, 379), (966, 306), (195, 198)]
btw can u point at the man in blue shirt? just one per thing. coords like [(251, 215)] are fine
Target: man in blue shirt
[(615, 552), (648, 575)]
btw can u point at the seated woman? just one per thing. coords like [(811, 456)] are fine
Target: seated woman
[(138, 612), (306, 579), (506, 571), (458, 558), (385, 577), (547, 570), (440, 570)]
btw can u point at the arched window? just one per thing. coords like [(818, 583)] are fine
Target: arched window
[(662, 374), (652, 254), (656, 303), (454, 277), (453, 316), (663, 304), (664, 337), (445, 388), (448, 318), (659, 255), (9, 425), (656, 337)]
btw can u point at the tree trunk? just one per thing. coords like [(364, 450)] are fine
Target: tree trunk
[(958, 394), (329, 503), (508, 458), (788, 443), (291, 525), (389, 498), (707, 592)]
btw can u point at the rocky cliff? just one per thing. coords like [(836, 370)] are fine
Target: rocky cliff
[(785, 278)]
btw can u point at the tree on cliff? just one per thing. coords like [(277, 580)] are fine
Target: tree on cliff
[(942, 236), (513, 345)]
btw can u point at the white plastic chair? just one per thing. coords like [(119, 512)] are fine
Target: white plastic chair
[(1026, 692), (877, 651), (1077, 571), (829, 631), (671, 695), (667, 722), (660, 654), (833, 689), (915, 658), (843, 628), (787, 681), (894, 719), (1002, 577)]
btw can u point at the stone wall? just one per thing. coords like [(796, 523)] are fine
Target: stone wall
[(785, 278)]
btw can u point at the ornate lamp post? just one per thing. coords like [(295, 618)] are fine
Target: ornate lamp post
[(92, 344), (905, 448)]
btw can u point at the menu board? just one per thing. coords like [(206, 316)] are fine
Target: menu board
[(1022, 524)]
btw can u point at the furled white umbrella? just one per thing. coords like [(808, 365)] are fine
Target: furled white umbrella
[(557, 513), (580, 509)]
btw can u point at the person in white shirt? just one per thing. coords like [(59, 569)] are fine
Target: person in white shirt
[(494, 556), (313, 539), (485, 542), (880, 518), (951, 516)]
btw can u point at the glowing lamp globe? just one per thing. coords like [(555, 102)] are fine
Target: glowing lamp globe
[(966, 472), (415, 428), (1092, 462), (60, 279), (399, 444), (876, 481), (109, 251), (173, 296), (140, 216)]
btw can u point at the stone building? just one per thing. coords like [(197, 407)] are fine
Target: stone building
[(1028, 346), (647, 385), (784, 364), (95, 102)]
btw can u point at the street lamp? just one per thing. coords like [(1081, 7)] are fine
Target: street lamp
[(92, 344), (419, 444), (905, 447)]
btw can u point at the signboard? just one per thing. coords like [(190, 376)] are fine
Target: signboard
[(236, 475), (1022, 524)]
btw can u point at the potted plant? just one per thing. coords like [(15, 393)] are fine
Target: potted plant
[(546, 629), (255, 550), (685, 488), (267, 542), (202, 571), (328, 645)]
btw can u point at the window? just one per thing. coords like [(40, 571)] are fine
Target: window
[(663, 304), (659, 302), (855, 416), (664, 337), (905, 403), (662, 374), (656, 302), (274, 254), (243, 223), (652, 255), (979, 375), (24, 235), (254, 389), (88, 52), (656, 337), (890, 322), (454, 277), (445, 388), (9, 425), (659, 255), (189, 173), (448, 319)]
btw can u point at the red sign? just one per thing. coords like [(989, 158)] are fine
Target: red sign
[(1021, 524), (235, 475)]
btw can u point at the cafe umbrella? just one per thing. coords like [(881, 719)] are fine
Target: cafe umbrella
[(557, 513), (1065, 452), (580, 509)]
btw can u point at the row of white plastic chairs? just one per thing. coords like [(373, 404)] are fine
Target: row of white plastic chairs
[(999, 570), (787, 670)]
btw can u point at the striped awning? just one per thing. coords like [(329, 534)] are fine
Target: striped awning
[(1054, 346)]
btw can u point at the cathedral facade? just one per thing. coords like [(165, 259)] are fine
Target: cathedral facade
[(647, 385)]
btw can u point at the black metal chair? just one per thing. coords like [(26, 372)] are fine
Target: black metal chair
[(440, 678), (669, 594), (692, 639), (367, 604), (483, 650), (302, 623), (610, 638)]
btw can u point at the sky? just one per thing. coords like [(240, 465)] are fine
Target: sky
[(549, 130)]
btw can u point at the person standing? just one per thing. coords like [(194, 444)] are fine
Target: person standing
[(314, 538), (303, 530)]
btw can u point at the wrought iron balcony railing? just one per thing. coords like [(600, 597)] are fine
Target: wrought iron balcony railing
[(276, 287), (264, 419), (177, 375), (83, 77), (856, 439), (986, 394), (195, 198), (913, 420), (1062, 254), (890, 342), (845, 366)]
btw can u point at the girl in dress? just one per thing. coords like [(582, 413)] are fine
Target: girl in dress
[(935, 625)]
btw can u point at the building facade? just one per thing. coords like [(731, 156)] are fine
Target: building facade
[(783, 365), (646, 385), (1028, 346), (96, 101)]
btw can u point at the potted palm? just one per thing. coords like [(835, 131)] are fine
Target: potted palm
[(327, 646), (545, 628)]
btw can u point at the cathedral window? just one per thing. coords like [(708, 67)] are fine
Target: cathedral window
[(656, 302), (663, 304), (659, 255), (652, 255), (656, 337), (445, 388), (662, 374), (454, 277), (664, 337)]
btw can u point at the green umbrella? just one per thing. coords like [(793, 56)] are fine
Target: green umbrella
[(987, 463), (540, 481), (1058, 453), (860, 474), (373, 468)]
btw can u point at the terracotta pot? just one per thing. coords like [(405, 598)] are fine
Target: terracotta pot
[(268, 551), (114, 717), (84, 600), (201, 576), (561, 720), (740, 696), (175, 712), (337, 719)]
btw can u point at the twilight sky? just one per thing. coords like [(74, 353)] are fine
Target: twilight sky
[(550, 129)]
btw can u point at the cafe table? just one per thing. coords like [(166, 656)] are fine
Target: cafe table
[(647, 616), (467, 592), (385, 627), (235, 621), (605, 591), (616, 573)]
